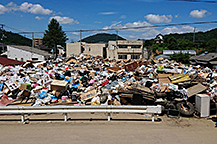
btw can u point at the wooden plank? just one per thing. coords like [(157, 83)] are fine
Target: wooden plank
[(196, 89), (163, 78), (114, 69)]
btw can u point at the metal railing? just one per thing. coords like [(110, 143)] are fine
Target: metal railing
[(23, 110)]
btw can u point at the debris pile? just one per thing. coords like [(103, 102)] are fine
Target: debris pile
[(88, 80)]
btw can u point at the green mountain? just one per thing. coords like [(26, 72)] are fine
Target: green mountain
[(204, 41), (199, 36), (15, 39), (102, 38)]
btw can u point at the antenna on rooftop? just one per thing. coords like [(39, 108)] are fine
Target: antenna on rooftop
[(194, 35)]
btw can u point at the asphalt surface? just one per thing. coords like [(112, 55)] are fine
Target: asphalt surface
[(94, 128)]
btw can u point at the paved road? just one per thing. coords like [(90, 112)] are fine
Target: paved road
[(46, 129)]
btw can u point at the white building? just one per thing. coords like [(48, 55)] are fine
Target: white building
[(24, 53), (94, 49), (120, 49), (126, 49), (159, 39)]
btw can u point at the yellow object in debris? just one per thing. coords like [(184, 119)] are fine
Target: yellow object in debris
[(175, 77), (179, 78), (95, 103)]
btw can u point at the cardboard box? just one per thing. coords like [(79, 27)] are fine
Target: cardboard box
[(88, 95), (59, 85), (24, 86)]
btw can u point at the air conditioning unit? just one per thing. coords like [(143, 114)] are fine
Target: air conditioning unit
[(202, 102)]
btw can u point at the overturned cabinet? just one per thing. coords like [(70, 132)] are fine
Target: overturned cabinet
[(202, 103)]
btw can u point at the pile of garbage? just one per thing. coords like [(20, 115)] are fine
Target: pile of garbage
[(88, 80)]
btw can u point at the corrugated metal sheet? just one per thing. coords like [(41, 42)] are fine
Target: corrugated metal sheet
[(171, 52)]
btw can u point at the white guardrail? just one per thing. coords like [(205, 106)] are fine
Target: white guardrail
[(80, 109)]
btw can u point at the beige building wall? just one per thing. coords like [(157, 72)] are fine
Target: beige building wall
[(90, 49), (73, 49), (94, 49), (125, 49)]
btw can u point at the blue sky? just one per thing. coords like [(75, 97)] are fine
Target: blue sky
[(73, 15)]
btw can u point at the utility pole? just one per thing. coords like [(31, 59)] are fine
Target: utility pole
[(194, 35), (80, 40), (32, 43), (2, 29), (116, 43)]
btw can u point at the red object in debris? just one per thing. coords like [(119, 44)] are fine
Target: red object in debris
[(4, 100), (7, 61), (105, 83)]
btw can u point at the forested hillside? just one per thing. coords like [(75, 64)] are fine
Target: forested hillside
[(15, 39), (204, 41), (102, 38)]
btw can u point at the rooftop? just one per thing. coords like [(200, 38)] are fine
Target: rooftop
[(7, 61), (31, 49)]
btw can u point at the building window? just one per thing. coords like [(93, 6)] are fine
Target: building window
[(89, 49), (122, 56), (15, 58), (21, 59), (136, 46), (122, 46), (135, 56)]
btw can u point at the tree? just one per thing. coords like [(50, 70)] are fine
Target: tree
[(172, 43), (180, 57), (54, 35), (212, 45)]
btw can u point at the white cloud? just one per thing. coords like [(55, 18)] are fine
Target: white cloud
[(3, 9), (198, 13), (183, 29), (12, 6), (132, 36), (34, 8), (38, 18), (99, 22), (65, 20), (107, 13), (159, 19), (25, 7), (187, 29), (75, 33), (143, 33), (123, 17), (130, 25), (150, 33)]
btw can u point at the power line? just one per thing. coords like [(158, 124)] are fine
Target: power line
[(12, 28), (140, 27), (128, 28), (213, 1)]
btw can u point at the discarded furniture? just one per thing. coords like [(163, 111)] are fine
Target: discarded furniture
[(202, 103)]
